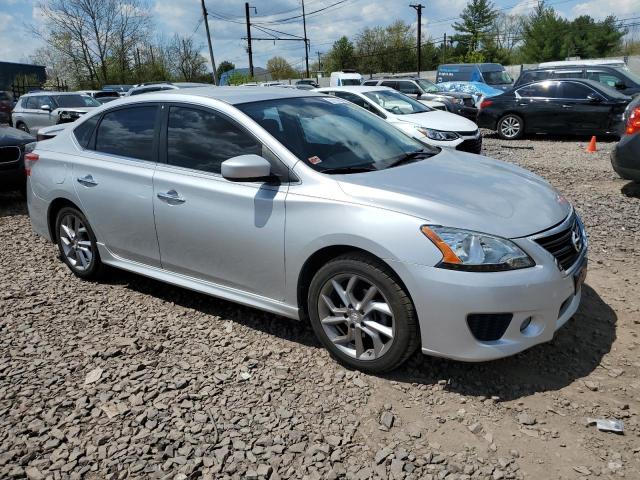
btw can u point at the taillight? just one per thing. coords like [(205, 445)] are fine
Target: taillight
[(633, 123), (30, 158), (486, 103)]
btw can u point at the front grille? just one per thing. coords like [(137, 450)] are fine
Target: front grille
[(565, 245), (488, 327), (473, 145), (9, 154)]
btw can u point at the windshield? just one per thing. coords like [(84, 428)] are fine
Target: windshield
[(498, 77), (330, 133), (349, 81), (624, 70), (74, 101), (396, 103), (427, 86)]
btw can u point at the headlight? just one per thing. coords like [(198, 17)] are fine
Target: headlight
[(476, 252), (69, 116), (438, 134)]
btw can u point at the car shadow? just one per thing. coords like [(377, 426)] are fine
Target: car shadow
[(576, 350), (631, 189), (552, 138), (12, 204)]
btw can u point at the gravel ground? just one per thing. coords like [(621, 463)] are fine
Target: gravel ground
[(131, 378)]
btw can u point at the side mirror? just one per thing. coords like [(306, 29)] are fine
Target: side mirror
[(46, 108), (593, 98), (620, 85), (246, 168)]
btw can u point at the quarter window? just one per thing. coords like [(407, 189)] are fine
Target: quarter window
[(604, 77), (202, 140), (84, 131), (128, 132)]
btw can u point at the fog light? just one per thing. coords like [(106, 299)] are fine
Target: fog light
[(525, 324)]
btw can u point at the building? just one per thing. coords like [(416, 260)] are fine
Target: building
[(32, 74)]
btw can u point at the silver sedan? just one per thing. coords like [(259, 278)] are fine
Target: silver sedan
[(312, 208)]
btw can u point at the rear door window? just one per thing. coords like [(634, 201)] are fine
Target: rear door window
[(408, 88), (539, 90), (390, 84), (128, 132)]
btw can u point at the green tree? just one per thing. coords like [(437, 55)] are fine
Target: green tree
[(543, 35), (224, 66), (341, 55), (587, 38), (477, 20), (280, 69)]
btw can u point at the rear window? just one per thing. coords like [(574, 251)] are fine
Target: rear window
[(128, 132)]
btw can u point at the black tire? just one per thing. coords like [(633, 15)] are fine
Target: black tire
[(94, 267), (506, 125), (406, 333), (23, 127)]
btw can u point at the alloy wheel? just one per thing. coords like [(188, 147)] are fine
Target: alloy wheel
[(76, 243), (356, 317), (510, 127)]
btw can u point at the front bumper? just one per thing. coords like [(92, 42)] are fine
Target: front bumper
[(466, 111), (544, 296), (625, 157)]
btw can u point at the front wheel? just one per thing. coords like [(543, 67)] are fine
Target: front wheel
[(362, 314), (22, 126), (77, 243), (511, 127)]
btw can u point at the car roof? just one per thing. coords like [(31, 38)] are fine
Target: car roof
[(354, 88), (231, 95), (47, 92)]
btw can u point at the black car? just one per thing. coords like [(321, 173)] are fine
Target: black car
[(625, 158), (12, 145), (614, 76), (561, 107), (422, 89)]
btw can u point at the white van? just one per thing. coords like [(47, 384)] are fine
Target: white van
[(345, 78)]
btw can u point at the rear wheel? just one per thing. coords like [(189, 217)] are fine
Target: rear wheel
[(362, 314), (511, 127), (22, 126), (77, 243)]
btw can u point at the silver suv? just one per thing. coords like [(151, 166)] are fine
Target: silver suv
[(43, 109)]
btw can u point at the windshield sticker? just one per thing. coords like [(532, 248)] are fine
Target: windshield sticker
[(314, 160), (336, 100)]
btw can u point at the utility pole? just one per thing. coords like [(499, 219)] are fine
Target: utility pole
[(418, 8), (306, 40), (246, 11), (319, 65), (444, 49), (206, 25)]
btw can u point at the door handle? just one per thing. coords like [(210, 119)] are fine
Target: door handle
[(87, 181), (171, 197), (567, 106)]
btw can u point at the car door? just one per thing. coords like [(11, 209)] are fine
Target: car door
[(113, 177), (586, 110), (38, 117), (539, 106), (210, 228)]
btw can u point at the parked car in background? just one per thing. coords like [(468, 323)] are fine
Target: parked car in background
[(102, 96), (274, 83), (426, 91), (121, 89), (561, 107), (615, 75), (478, 90), (42, 109), (6, 105), (159, 86), (12, 148), (308, 81), (435, 127), (389, 244), (625, 157), (345, 78), (492, 74)]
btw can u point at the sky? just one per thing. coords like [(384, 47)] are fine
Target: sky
[(19, 17)]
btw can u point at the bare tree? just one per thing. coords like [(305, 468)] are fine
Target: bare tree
[(187, 62)]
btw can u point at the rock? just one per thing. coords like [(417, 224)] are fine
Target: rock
[(397, 466), (33, 473), (475, 428), (593, 386), (386, 419), (93, 376), (526, 419), (382, 454), (582, 469)]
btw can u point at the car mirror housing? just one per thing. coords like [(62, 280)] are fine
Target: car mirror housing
[(593, 98), (246, 168), (46, 108)]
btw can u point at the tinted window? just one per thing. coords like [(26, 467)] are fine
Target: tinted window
[(393, 85), (352, 98), (73, 101), (371, 82), (202, 140), (128, 132), (40, 101), (575, 90), (408, 87), (26, 102), (542, 90), (527, 77), (84, 131), (568, 74), (605, 78)]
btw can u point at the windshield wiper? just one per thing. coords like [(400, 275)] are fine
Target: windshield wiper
[(353, 169), (409, 158)]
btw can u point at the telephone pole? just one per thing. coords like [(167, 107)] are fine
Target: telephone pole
[(319, 65), (246, 11), (418, 8), (444, 49), (206, 26), (306, 40)]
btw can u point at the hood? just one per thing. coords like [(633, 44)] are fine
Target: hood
[(439, 120), (464, 191), (11, 137), (452, 94)]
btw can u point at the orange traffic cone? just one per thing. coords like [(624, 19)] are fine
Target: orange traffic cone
[(592, 145)]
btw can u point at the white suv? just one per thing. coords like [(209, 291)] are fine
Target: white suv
[(43, 109)]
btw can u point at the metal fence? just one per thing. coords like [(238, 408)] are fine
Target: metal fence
[(22, 85)]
